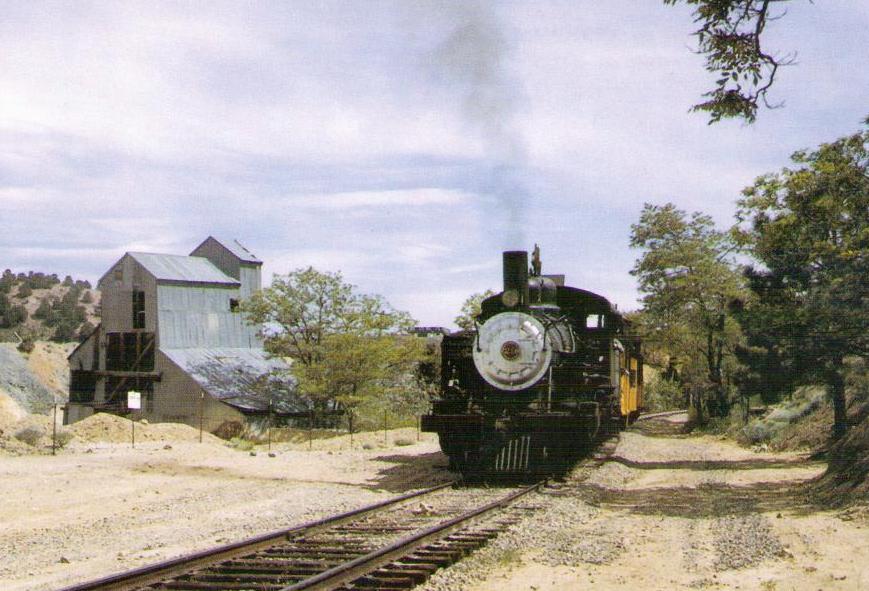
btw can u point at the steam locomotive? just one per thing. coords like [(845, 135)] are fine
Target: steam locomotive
[(546, 367)]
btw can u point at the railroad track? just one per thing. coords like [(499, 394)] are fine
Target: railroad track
[(395, 544), (658, 415)]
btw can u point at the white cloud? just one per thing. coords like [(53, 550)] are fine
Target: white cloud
[(394, 198), (338, 135)]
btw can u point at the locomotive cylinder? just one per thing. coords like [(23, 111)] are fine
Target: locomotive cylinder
[(516, 274)]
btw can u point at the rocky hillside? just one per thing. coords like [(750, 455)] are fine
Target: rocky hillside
[(30, 384), (36, 306), (37, 380)]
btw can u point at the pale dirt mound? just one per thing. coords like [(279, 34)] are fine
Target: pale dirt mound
[(108, 428), (48, 363), (38, 441), (10, 411)]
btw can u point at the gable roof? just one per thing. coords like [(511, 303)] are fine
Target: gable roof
[(235, 247), (186, 269)]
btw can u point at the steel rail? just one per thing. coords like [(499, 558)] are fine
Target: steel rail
[(158, 571), (657, 415), (354, 569)]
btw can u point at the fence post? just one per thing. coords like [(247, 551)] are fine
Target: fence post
[(311, 431), (54, 431)]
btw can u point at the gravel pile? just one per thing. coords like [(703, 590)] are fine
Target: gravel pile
[(10, 411), (612, 475), (743, 541)]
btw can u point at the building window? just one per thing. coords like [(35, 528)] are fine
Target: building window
[(233, 305), (138, 309), (118, 273), (130, 351)]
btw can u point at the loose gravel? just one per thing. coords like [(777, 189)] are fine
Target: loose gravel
[(745, 541)]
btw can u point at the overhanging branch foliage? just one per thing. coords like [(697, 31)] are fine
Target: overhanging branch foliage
[(729, 34)]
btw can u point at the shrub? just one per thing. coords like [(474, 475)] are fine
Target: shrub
[(401, 442), (63, 437), (14, 316), (44, 309), (30, 435), (757, 432), (664, 395), (26, 345), (230, 430), (241, 444)]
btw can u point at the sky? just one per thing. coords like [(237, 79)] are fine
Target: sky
[(404, 144)]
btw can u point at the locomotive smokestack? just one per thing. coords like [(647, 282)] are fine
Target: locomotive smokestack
[(516, 274)]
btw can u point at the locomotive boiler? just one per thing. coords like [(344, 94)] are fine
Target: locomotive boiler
[(546, 367)]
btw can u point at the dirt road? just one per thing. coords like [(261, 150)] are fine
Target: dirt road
[(674, 512)]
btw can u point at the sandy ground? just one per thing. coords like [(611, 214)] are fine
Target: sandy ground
[(666, 511), (100, 508), (697, 513)]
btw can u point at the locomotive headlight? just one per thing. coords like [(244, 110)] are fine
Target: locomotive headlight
[(511, 352)]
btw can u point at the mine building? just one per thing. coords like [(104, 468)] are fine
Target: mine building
[(172, 330)]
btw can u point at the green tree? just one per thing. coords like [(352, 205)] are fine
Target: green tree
[(43, 311), (688, 283), (356, 369), (809, 228), (729, 35), (346, 347), (7, 280), (13, 316), (24, 291), (471, 309)]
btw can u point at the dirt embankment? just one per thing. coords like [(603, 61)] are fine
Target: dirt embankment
[(847, 478)]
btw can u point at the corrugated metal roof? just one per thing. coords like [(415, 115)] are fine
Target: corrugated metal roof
[(238, 249), (173, 267), (245, 378)]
